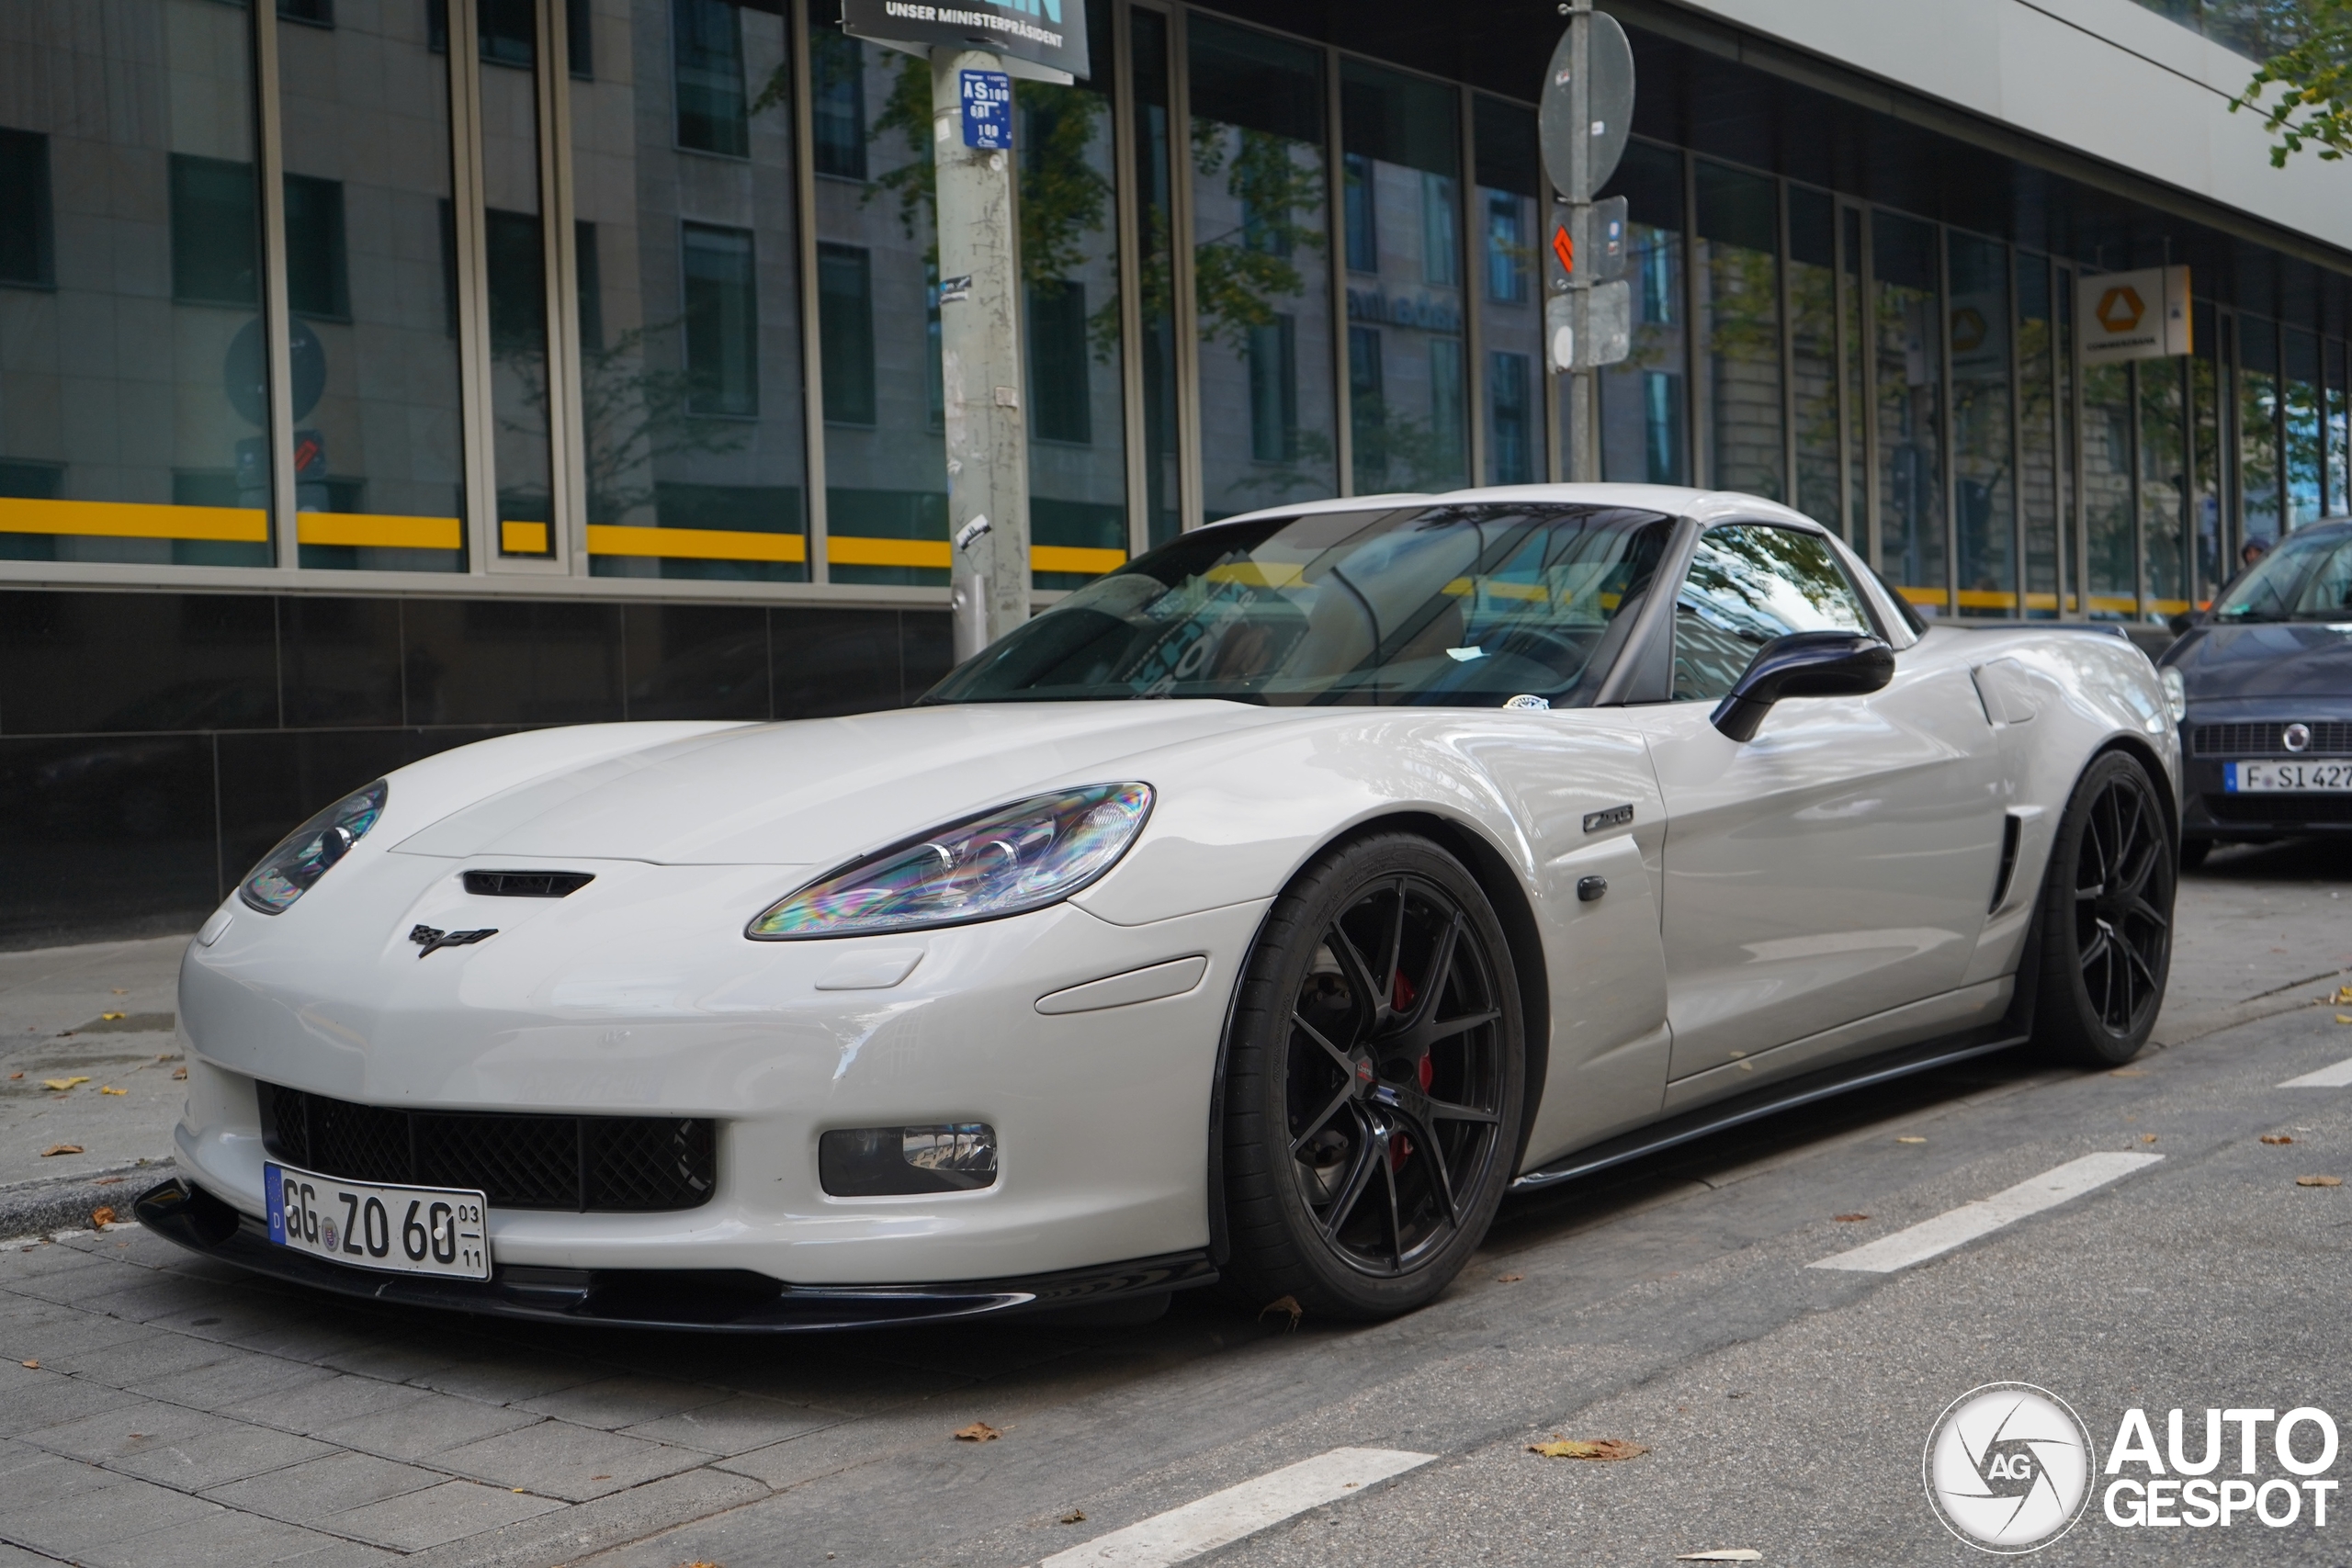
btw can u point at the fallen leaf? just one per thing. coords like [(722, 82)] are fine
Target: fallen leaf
[(1573, 1448), (118, 991), (977, 1432), (600, 1478), (2319, 1181), (1849, 1219), (515, 1489), (60, 1149), (2128, 1073), (2277, 1138), (14, 1077), (1723, 1554), (2344, 993), (1075, 1516), (1284, 1304), (112, 1015), (2344, 1018), (63, 1083), (101, 1217), (108, 1182), (109, 1089), (1508, 1279), (178, 1073), (2147, 1137), (1910, 1140), (34, 1365)]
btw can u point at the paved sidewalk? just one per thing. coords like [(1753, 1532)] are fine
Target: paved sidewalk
[(54, 1029)]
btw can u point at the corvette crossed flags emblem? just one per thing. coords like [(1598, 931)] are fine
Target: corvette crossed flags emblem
[(430, 939)]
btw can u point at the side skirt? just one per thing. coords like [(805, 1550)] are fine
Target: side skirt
[(1775, 1097)]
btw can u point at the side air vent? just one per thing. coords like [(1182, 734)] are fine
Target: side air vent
[(2011, 832), (527, 883)]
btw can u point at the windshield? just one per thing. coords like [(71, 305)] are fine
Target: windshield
[(1461, 605), (2307, 576)]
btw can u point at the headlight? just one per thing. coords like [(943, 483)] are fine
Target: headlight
[(1006, 861), (2176, 692), (287, 872)]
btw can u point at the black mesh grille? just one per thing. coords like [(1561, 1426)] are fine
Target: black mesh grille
[(2287, 808), (2329, 737), (592, 1163)]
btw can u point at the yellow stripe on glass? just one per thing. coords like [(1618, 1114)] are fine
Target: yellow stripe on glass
[(695, 544), (134, 519), (380, 531)]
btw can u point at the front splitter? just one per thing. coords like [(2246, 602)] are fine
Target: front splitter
[(721, 1300)]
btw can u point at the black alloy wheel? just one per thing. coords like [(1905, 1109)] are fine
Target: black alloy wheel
[(2107, 917), (1373, 1083)]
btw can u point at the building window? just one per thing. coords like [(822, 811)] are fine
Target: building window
[(722, 322), (1512, 460), (1060, 395), (588, 266), (1368, 408), (318, 13), (1274, 390), (1506, 248), (317, 275), (1441, 234), (27, 245), (212, 232), (518, 295), (707, 72), (1363, 219), (509, 32), (1662, 406), (837, 104), (845, 331), (578, 39)]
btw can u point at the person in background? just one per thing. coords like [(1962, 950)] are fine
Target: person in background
[(2250, 556)]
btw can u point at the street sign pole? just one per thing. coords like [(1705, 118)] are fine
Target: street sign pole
[(1584, 410), (988, 475), (1586, 109)]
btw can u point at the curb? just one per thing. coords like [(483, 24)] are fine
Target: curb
[(64, 1204)]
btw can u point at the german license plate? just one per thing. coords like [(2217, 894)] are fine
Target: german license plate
[(2253, 778), (402, 1230)]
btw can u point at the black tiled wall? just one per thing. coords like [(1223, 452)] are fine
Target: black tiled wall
[(154, 745)]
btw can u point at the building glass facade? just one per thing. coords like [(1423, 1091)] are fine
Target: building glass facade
[(504, 361)]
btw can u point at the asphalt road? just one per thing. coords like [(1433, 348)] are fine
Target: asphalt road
[(183, 1414)]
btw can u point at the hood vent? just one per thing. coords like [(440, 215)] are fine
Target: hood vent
[(527, 883)]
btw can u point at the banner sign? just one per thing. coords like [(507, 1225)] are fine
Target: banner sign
[(1033, 31), (2133, 315)]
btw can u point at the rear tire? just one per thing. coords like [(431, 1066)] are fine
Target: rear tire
[(1373, 1082), (2106, 924)]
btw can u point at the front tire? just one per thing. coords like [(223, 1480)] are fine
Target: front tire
[(1374, 1083), (2106, 947)]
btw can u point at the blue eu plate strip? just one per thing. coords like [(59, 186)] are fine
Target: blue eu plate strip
[(273, 1186)]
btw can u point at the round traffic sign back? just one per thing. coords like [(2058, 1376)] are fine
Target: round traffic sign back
[(1609, 108)]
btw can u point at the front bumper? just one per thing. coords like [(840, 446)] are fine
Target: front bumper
[(2215, 734), (632, 999), (712, 1301)]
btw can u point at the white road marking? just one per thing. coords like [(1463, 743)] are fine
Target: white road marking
[(1959, 1226), (2336, 1077), (1223, 1518)]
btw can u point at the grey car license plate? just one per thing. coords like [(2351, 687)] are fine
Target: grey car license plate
[(2260, 778), (402, 1230)]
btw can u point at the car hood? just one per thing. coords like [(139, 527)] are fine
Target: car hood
[(2302, 659), (817, 791)]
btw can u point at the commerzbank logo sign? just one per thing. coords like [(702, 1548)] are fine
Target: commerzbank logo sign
[(2009, 1468)]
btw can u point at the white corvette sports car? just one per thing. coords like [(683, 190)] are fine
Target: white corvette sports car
[(1464, 842)]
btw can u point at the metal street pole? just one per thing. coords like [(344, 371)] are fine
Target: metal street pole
[(979, 352), (1584, 414)]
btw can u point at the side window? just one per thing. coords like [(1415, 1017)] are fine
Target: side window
[(1748, 583)]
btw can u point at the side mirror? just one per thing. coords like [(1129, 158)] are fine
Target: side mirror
[(1803, 664)]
